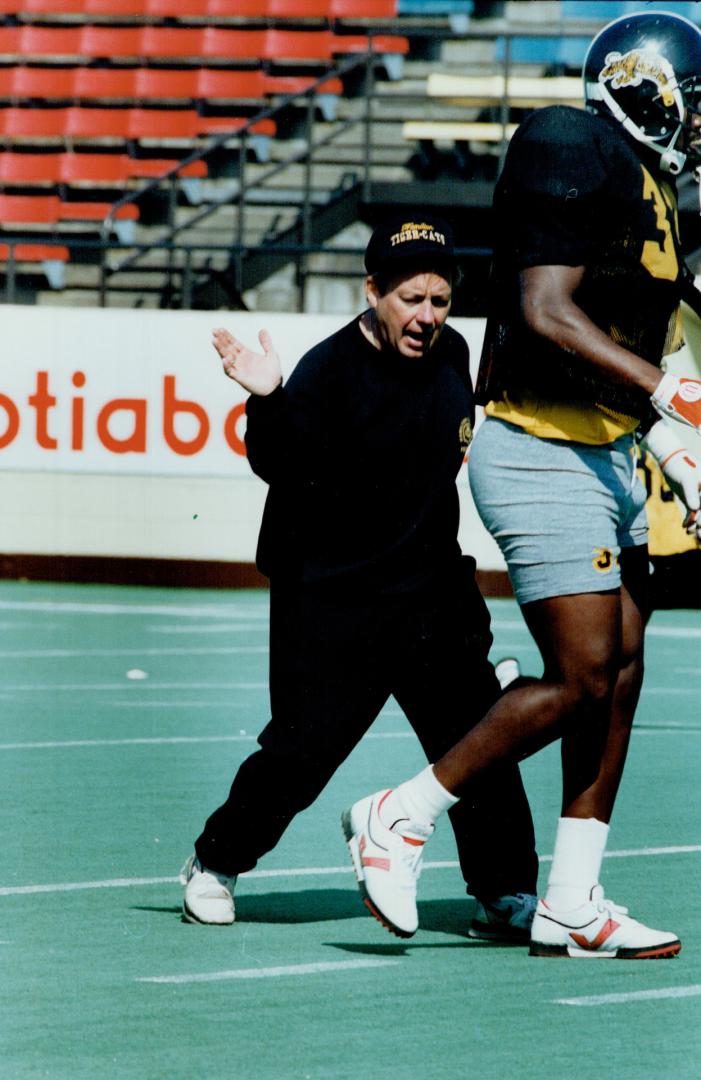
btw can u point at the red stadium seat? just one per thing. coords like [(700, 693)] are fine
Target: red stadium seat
[(50, 7), (114, 7), (233, 44), (253, 9), (49, 210), (154, 167), (296, 84), (162, 123), (29, 168), (77, 122), (33, 124), (7, 78), (179, 41), (95, 211), (74, 168), (93, 83), (161, 83), (131, 123), (299, 45), (110, 41), (97, 169), (219, 83), (298, 9), (29, 209), (36, 253), (39, 40), (28, 82), (363, 9), (145, 83), (220, 125), (381, 43), (10, 41), (180, 9)]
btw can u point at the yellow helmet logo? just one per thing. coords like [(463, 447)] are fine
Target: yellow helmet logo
[(632, 68)]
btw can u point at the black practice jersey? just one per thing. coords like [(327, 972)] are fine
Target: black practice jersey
[(361, 449), (575, 191)]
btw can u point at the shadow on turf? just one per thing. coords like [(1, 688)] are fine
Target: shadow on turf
[(330, 905)]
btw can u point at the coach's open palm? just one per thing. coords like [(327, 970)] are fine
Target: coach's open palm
[(258, 373)]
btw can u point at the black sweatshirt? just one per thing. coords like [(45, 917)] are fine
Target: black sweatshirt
[(361, 449)]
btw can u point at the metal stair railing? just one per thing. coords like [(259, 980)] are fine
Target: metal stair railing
[(363, 64)]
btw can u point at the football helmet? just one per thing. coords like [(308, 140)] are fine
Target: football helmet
[(645, 71)]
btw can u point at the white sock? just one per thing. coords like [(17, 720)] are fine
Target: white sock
[(579, 850), (421, 799)]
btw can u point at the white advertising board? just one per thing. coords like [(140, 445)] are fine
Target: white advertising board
[(130, 391)]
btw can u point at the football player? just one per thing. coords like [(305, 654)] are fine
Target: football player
[(587, 281)]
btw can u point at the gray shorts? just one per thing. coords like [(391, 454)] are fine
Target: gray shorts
[(560, 511)]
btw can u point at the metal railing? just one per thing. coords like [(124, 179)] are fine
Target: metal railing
[(237, 194)]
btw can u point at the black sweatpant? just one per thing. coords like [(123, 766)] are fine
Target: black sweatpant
[(334, 662)]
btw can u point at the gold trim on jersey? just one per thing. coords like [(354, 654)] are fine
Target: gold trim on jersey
[(594, 425)]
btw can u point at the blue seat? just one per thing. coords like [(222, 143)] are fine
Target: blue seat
[(435, 7), (606, 10), (569, 51)]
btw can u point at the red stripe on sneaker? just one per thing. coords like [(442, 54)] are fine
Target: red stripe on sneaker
[(378, 863), (370, 860), (604, 934), (411, 840)]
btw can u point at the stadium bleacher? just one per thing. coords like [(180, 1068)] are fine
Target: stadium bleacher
[(100, 98), (131, 77)]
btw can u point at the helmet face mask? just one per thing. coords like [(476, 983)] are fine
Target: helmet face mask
[(645, 71)]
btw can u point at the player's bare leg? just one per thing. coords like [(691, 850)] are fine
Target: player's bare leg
[(592, 651)]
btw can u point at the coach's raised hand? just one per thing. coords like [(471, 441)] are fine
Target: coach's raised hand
[(259, 373), (679, 398)]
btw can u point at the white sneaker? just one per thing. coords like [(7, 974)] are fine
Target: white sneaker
[(209, 896), (599, 928), (507, 919), (387, 863)]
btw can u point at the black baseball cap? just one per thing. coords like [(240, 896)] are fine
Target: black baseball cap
[(415, 237)]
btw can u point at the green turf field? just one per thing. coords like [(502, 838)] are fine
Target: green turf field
[(107, 778)]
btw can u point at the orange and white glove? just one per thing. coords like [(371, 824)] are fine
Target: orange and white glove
[(680, 469), (679, 398)]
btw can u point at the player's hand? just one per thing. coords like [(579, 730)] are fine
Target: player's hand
[(679, 398), (680, 469), (259, 373)]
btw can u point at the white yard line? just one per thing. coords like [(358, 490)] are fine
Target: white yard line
[(321, 967), (631, 996), (168, 740), (131, 686), (302, 871), (175, 650), (207, 611), (241, 736)]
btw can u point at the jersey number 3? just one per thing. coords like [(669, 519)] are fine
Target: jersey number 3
[(660, 259)]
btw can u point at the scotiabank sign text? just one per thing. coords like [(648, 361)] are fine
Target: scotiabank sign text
[(54, 421), (103, 391)]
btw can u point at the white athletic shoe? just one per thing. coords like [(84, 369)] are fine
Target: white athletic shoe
[(209, 896), (599, 928), (507, 919), (387, 863)]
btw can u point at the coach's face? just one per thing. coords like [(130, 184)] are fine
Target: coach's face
[(410, 313)]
